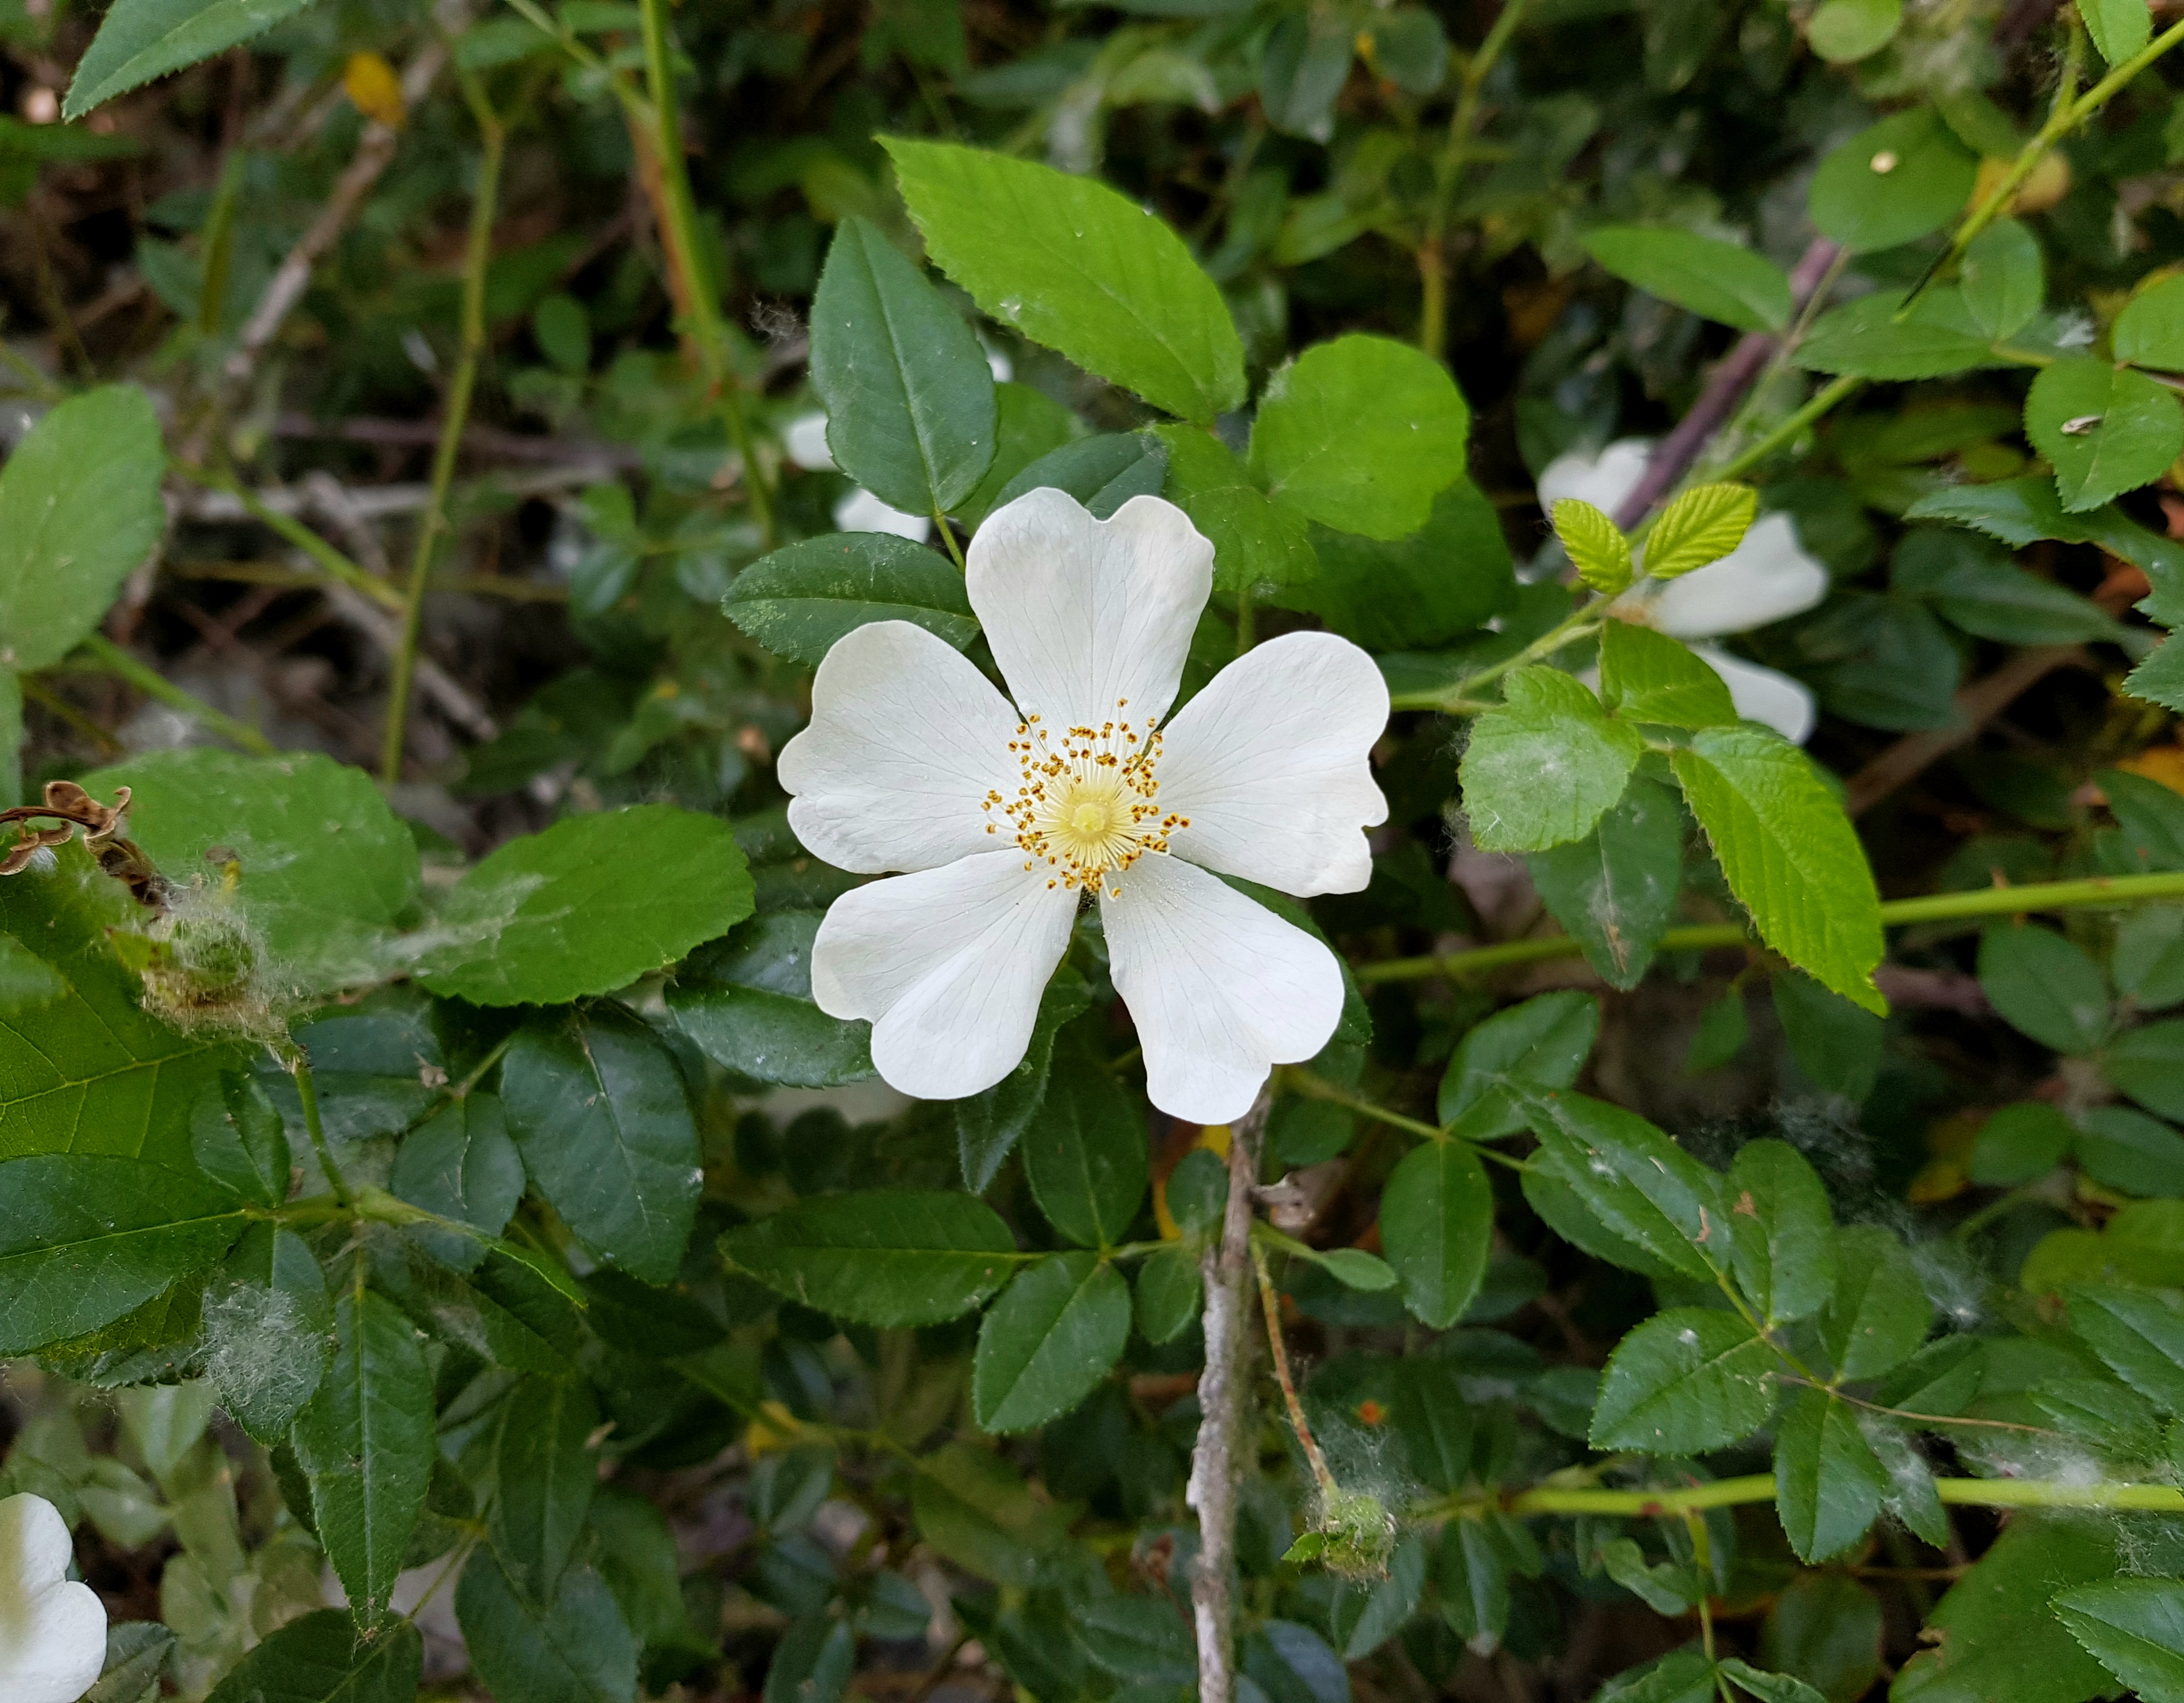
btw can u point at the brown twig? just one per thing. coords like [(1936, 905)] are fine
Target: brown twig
[(1976, 705)]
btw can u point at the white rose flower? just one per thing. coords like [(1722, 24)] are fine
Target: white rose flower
[(862, 512), (53, 1631), (1768, 577), (1004, 818)]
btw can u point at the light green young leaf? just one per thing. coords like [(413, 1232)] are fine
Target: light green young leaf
[(1645, 676), (2105, 429), (1437, 1227), (587, 906), (1828, 1482), (139, 40), (1072, 264), (2149, 331), (1715, 280), (596, 1104), (1790, 855), (1540, 768), (1050, 1338), (320, 1658), (909, 400), (1686, 1381), (1702, 525), (2120, 29), (1781, 1230), (1595, 545), (2134, 1628), (1361, 434), (2003, 278), (799, 600), (79, 510), (888, 1257), (365, 1444), (1615, 889)]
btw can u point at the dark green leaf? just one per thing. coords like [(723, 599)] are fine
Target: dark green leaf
[(2019, 1144), (2002, 278), (747, 1003), (1256, 542), (1542, 1043), (2150, 330), (1030, 425), (1050, 1338), (889, 1257), (1828, 1482), (1835, 1044), (2045, 985), (238, 1139), (1615, 889), (1781, 1230), (1715, 280), (1826, 1629), (799, 600), (321, 1658), (1085, 1155), (2129, 1151), (1103, 472), (575, 1649), (1685, 1381), (1443, 582), (1769, 1688), (1996, 1635), (1138, 1638), (268, 1331), (1893, 183), (990, 1123), (545, 1471), (1865, 339), (1169, 1292), (2138, 1334), (976, 1510), (2147, 1064), (1640, 1185), (2132, 1627), (1437, 1226), (1878, 1314), (460, 1164)]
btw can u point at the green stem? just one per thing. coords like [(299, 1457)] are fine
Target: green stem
[(110, 657), (948, 538), (477, 258), (1246, 621), (683, 254), (1759, 1487), (1448, 171), (337, 565), (298, 1063), (1581, 622), (1823, 400), (1935, 907)]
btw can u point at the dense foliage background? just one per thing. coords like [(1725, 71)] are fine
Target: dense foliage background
[(429, 1187)]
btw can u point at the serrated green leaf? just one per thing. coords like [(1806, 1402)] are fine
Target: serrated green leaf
[(1085, 1155), (1256, 542), (1541, 1043), (2149, 331), (139, 40), (1789, 855), (2044, 986), (1541, 768), (2105, 429), (1685, 1381), (1050, 1338), (1781, 1230), (1437, 1226), (238, 1140), (747, 1003), (1828, 1482), (575, 1649), (977, 1510), (1715, 280), (2120, 29), (544, 1472), (1639, 1184), (1769, 1688), (1645, 676), (1702, 525), (887, 1257), (799, 600), (321, 1658), (1595, 545), (460, 1163), (2134, 1628), (1103, 471), (1442, 582), (1072, 264), (1865, 338), (1169, 1292), (2138, 1335), (1878, 1314), (1995, 1634), (1615, 889)]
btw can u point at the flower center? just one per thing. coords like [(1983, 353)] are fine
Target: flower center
[(1085, 806)]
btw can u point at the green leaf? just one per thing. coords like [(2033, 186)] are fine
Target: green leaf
[(909, 400), (2019, 1144), (1769, 1688), (320, 1658), (1828, 1482), (1863, 338), (1645, 676), (2105, 429), (461, 1164), (86, 1239), (326, 872), (2044, 986), (1715, 280), (1542, 1043), (1640, 1185), (596, 1104), (2120, 29), (79, 508), (1878, 1314), (1254, 541), (1595, 544), (1103, 471), (575, 1649), (1540, 768), (990, 1123), (2002, 601), (888, 1257), (747, 1003), (1432, 1420), (1615, 889), (1844, 32), (1835, 1044), (812, 1663), (238, 1141), (2147, 1064), (2004, 279), (2128, 1150), (1366, 1614), (1437, 1227), (1030, 425), (2149, 331), (1441, 583), (544, 1472), (1361, 434), (1996, 1636), (2132, 1627), (1084, 1157), (1072, 264), (2137, 1334), (1354, 1269), (587, 906), (1789, 855), (139, 40), (1781, 1232), (365, 1444), (1474, 1582), (1702, 525), (1169, 1293), (1825, 1628), (1136, 1637), (1893, 183), (1685, 1381), (977, 1510), (799, 600), (136, 1651), (268, 1331), (1050, 1338)]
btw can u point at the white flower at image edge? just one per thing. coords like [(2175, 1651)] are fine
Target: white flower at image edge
[(1004, 816), (53, 1631), (1768, 577)]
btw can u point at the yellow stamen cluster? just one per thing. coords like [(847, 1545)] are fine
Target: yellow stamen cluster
[(1085, 808)]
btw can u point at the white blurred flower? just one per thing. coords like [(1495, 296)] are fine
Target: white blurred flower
[(1768, 577), (862, 512), (805, 439), (53, 1631), (1005, 817)]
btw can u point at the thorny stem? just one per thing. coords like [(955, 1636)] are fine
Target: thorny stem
[(1448, 170), (477, 257), (681, 222), (299, 1064), (109, 657), (1222, 1393), (1267, 1304), (1935, 907)]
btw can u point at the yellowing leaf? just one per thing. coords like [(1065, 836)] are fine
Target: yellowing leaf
[(370, 82), (1702, 525)]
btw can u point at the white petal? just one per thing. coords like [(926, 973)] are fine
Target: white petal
[(35, 1549), (804, 440), (1764, 694), (1269, 764), (907, 739), (949, 965), (999, 365), (1083, 613), (52, 1632), (1220, 987), (1768, 577), (1603, 480), (862, 512)]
